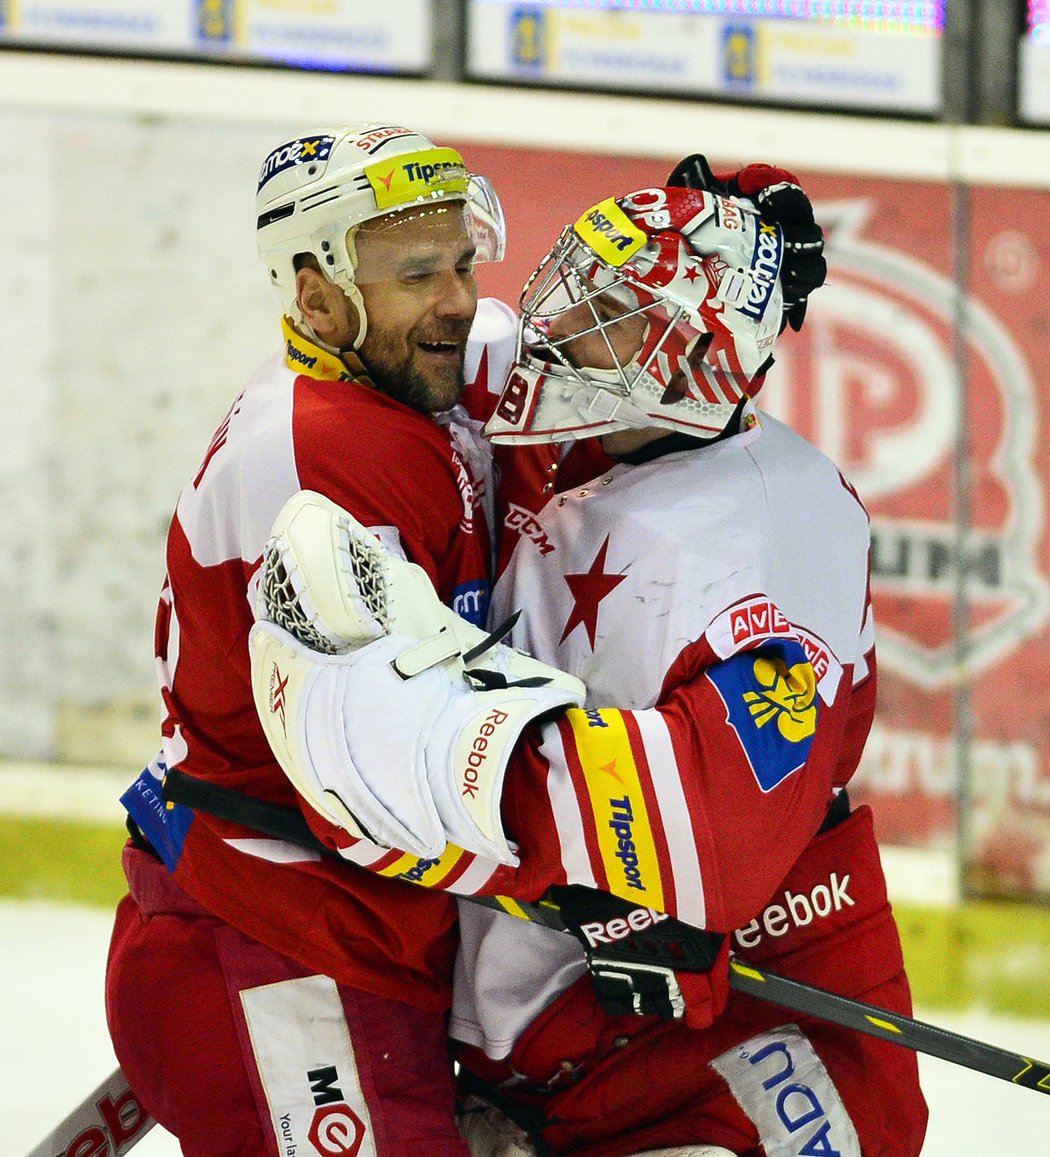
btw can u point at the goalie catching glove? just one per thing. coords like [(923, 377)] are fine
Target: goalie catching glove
[(644, 962), (349, 631), (780, 199)]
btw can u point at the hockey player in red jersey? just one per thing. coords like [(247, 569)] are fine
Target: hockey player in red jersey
[(710, 577), (259, 997)]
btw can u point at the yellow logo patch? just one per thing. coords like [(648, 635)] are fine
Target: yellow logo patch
[(608, 230), (402, 180), (787, 696)]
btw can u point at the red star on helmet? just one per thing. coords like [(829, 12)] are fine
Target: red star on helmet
[(588, 590)]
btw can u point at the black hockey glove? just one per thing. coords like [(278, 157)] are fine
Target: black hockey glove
[(644, 962), (779, 198)]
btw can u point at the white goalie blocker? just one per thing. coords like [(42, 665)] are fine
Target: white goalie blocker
[(393, 717)]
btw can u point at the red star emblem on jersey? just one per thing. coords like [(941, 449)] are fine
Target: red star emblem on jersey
[(588, 590)]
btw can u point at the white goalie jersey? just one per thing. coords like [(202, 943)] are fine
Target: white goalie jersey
[(635, 582)]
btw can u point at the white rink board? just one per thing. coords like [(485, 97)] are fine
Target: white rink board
[(56, 1049), (516, 116)]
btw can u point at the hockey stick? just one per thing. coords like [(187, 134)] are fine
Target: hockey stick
[(108, 1122), (290, 824), (111, 1115)]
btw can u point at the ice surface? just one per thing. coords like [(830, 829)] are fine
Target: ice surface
[(54, 1048)]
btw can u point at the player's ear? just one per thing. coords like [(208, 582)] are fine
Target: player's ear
[(324, 307)]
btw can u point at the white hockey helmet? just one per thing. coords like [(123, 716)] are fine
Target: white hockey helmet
[(316, 189), (659, 308)]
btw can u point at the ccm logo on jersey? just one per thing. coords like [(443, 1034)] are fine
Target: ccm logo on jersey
[(528, 526), (797, 910), (620, 927)]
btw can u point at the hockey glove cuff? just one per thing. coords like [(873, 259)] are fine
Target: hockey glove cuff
[(644, 962)]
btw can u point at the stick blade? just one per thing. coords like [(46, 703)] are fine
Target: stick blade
[(110, 1120)]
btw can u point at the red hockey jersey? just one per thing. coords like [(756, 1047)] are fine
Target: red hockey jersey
[(422, 485)]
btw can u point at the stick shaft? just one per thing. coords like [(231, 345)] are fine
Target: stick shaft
[(289, 824)]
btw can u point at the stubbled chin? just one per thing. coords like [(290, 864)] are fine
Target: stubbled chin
[(445, 389)]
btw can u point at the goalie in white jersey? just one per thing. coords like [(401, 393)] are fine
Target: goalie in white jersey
[(710, 576)]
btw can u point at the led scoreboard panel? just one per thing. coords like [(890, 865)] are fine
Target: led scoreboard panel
[(1033, 87), (822, 53), (357, 35)]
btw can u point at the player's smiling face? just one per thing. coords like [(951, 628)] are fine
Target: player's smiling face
[(416, 275)]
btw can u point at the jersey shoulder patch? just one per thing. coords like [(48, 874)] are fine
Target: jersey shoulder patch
[(771, 702)]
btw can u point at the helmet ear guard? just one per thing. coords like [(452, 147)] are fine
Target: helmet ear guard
[(314, 192), (657, 309)]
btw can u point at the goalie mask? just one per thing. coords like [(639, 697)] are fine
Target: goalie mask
[(316, 191), (655, 309)]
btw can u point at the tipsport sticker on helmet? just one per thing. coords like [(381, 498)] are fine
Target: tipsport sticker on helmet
[(765, 268), (298, 152), (608, 230), (770, 696), (401, 180)]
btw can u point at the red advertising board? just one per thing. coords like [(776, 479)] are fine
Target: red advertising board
[(929, 398)]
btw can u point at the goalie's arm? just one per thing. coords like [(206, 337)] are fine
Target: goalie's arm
[(427, 736), (666, 807), (663, 807)]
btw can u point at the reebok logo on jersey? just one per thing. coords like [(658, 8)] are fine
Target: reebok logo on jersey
[(797, 910), (620, 927)]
